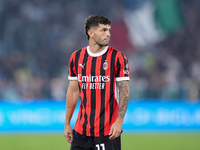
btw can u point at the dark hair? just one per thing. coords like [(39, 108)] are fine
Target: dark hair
[(94, 21)]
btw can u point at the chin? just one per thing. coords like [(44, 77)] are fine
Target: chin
[(105, 44)]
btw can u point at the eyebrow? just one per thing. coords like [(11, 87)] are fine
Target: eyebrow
[(106, 28)]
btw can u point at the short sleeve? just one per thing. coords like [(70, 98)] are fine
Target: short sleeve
[(122, 68), (72, 75)]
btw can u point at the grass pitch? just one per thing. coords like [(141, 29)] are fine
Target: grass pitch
[(129, 142)]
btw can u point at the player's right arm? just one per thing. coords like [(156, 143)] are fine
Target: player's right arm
[(71, 101)]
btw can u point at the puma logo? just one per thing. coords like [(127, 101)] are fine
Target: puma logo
[(82, 65)]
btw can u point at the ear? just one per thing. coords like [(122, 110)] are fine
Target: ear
[(90, 33)]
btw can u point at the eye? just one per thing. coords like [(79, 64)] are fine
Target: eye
[(106, 29)]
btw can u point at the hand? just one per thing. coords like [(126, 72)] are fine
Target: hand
[(116, 129), (68, 133)]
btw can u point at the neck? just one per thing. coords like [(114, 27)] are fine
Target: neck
[(95, 48)]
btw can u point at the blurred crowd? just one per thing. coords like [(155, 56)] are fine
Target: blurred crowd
[(37, 38)]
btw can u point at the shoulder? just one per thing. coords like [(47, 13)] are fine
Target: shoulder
[(78, 52), (110, 48), (119, 54)]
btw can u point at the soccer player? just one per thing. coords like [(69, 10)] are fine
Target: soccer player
[(99, 75)]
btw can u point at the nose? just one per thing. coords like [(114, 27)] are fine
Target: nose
[(108, 33)]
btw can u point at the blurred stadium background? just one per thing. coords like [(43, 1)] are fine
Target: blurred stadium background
[(159, 37)]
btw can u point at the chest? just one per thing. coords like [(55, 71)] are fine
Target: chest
[(96, 66)]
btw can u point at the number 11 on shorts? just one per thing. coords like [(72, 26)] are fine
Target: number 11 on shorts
[(99, 146)]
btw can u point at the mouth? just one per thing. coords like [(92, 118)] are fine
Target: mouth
[(107, 40)]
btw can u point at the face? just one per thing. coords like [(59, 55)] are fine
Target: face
[(101, 34)]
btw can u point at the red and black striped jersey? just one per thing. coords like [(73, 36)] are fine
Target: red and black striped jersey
[(96, 74)]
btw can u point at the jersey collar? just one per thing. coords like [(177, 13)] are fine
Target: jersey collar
[(97, 54)]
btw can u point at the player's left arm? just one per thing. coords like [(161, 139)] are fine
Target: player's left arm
[(116, 128)]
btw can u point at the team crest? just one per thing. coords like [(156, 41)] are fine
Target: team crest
[(105, 65)]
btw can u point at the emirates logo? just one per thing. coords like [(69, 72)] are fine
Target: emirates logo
[(105, 65)]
